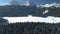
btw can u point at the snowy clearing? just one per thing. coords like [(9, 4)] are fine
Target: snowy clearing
[(30, 18)]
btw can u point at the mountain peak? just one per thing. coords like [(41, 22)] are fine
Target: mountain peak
[(49, 5), (26, 3), (13, 2)]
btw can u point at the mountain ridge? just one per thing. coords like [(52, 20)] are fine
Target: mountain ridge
[(18, 10)]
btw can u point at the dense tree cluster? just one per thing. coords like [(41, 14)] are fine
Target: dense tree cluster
[(3, 21), (30, 28)]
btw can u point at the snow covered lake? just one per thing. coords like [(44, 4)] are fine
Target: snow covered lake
[(30, 18)]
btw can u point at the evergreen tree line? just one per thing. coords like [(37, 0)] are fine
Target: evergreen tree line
[(30, 28)]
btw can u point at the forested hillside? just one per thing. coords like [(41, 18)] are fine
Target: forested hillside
[(17, 10), (30, 28)]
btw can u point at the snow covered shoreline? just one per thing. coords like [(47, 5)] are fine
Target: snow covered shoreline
[(30, 18)]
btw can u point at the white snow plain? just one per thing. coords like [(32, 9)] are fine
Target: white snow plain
[(48, 19)]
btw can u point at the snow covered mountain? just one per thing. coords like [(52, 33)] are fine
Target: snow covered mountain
[(14, 2), (27, 8), (37, 3), (26, 3), (49, 5), (43, 2)]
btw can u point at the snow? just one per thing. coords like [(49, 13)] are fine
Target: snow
[(46, 11), (13, 2), (49, 5), (5, 4), (17, 3), (26, 3), (48, 19)]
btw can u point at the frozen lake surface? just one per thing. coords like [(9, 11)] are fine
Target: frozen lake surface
[(48, 19)]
